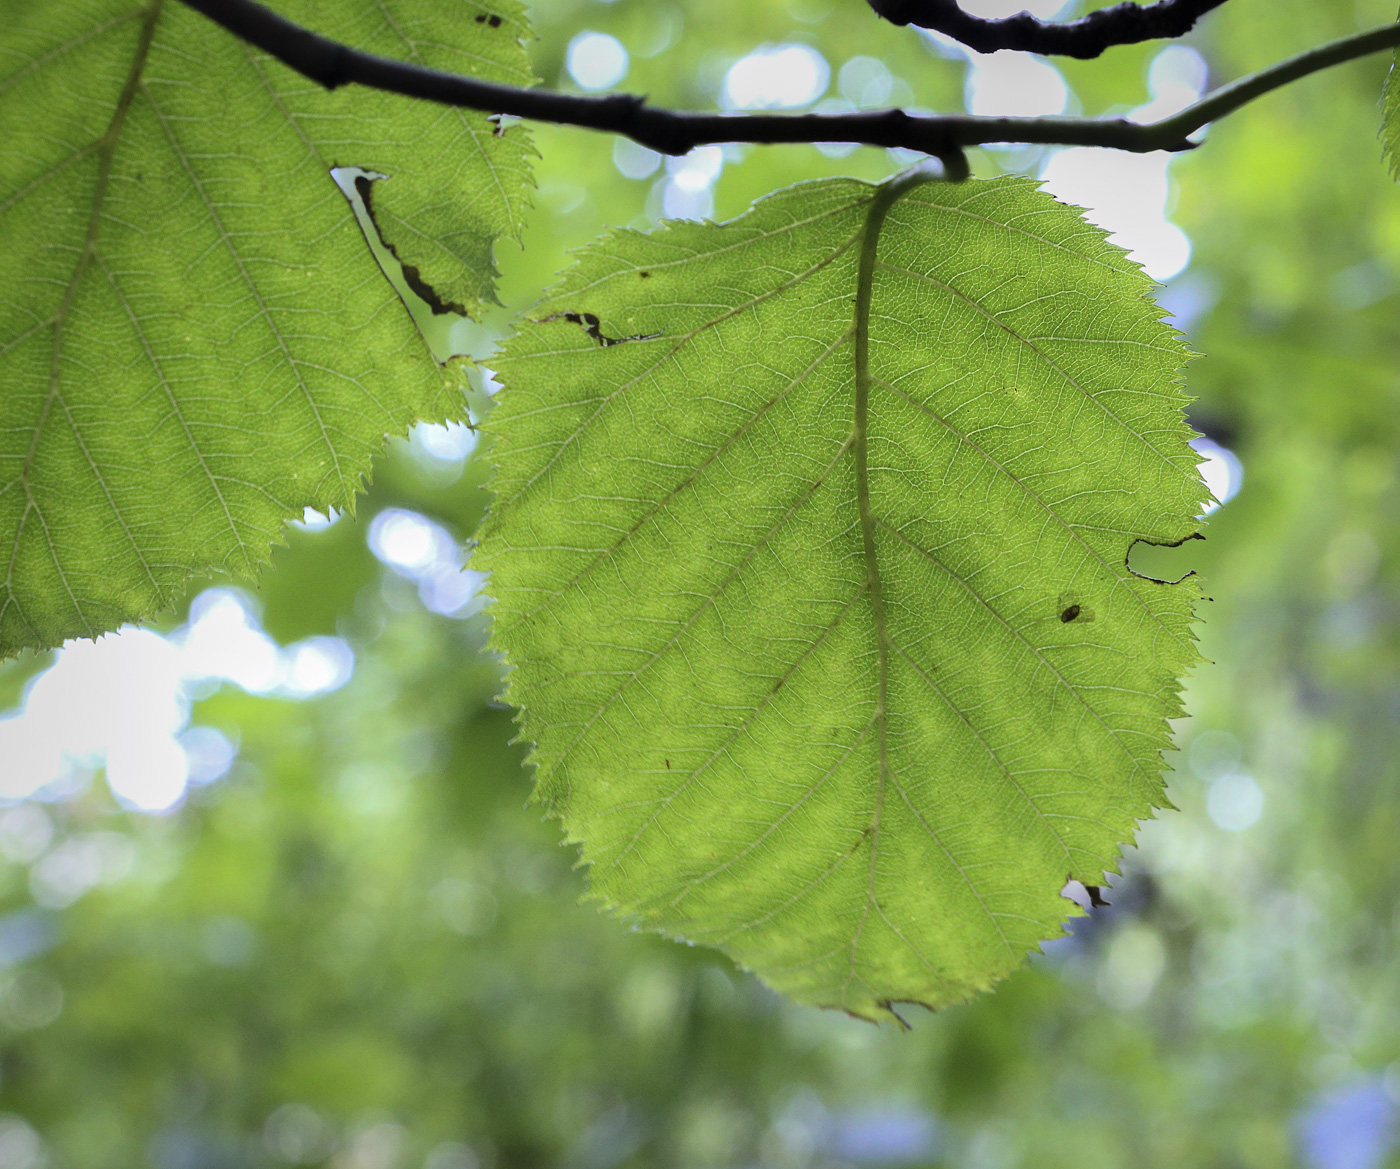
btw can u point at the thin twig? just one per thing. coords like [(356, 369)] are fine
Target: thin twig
[(944, 136), (1122, 24)]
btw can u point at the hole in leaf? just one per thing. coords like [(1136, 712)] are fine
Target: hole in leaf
[(1162, 561), (591, 325), (1087, 897), (434, 317)]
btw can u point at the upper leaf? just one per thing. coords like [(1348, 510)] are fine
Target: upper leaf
[(815, 583), (195, 342), (1390, 116)]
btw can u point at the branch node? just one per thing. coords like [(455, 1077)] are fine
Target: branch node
[(337, 71), (660, 130)]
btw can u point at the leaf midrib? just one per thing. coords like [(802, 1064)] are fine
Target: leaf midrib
[(860, 441)]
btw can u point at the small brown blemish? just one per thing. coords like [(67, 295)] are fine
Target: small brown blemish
[(494, 21), (481, 18), (1070, 614), (668, 765), (643, 275)]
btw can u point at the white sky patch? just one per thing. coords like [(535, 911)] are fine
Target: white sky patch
[(148, 774), (1176, 78), (224, 641), (698, 170), (678, 202), (775, 77), (451, 442), (316, 521), (633, 160), (317, 665), (424, 552), (122, 703), (690, 182), (1001, 9), (596, 60), (406, 541), (209, 753), (1128, 194), (1221, 469), (1006, 84)]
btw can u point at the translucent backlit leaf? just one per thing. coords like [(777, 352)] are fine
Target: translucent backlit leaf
[(195, 342), (811, 566)]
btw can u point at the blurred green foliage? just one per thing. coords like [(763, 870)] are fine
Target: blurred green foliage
[(361, 949)]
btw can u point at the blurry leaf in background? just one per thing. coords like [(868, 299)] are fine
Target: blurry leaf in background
[(194, 342)]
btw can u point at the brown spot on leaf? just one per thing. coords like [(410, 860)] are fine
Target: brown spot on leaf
[(1070, 614)]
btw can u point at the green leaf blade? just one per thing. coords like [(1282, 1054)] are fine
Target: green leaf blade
[(866, 799), (1390, 117), (195, 342)]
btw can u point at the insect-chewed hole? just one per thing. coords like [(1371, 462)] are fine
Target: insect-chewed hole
[(1168, 562)]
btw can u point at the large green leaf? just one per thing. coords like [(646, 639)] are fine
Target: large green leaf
[(811, 566), (195, 341)]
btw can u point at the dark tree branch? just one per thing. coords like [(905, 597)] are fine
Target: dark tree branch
[(1123, 24), (944, 136)]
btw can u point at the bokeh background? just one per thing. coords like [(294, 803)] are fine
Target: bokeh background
[(270, 891)]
